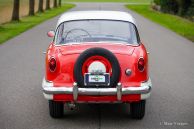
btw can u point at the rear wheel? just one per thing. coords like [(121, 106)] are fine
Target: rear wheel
[(138, 109), (56, 109)]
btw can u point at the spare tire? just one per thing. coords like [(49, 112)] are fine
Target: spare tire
[(78, 76)]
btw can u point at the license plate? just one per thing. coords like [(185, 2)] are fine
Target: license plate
[(92, 79)]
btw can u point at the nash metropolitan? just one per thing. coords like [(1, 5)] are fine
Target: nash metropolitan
[(96, 57)]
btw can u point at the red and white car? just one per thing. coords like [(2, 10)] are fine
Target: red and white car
[(96, 57)]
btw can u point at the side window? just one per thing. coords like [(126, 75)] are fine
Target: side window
[(59, 34), (134, 37)]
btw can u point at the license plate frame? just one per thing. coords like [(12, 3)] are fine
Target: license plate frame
[(97, 79)]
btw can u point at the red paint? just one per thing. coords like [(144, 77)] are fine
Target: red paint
[(84, 98), (67, 55), (96, 58)]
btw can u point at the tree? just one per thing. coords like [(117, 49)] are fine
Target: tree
[(40, 6), (55, 3), (169, 6), (31, 7), (59, 2), (16, 8), (184, 6), (190, 11), (48, 4)]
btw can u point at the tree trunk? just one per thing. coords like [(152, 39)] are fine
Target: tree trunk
[(16, 8), (31, 7), (55, 3), (48, 4), (59, 2), (40, 6)]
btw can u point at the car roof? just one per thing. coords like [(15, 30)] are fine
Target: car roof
[(102, 15)]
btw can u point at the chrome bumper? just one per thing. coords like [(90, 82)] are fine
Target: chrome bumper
[(49, 90)]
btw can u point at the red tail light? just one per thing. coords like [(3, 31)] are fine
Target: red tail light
[(52, 64), (141, 64)]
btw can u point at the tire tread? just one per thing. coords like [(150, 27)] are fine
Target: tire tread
[(56, 109), (138, 109)]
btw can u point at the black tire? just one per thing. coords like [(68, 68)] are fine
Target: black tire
[(101, 52), (138, 109), (56, 109)]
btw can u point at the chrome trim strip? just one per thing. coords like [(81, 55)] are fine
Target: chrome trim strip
[(46, 83), (58, 90), (136, 90), (119, 91), (75, 91), (48, 96), (145, 96), (97, 91), (101, 42)]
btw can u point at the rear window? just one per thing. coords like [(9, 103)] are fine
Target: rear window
[(91, 31)]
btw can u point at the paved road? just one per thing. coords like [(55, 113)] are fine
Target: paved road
[(22, 105)]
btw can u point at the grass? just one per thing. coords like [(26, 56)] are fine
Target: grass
[(125, 1), (12, 29), (177, 24)]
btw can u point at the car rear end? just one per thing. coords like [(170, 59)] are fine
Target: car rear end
[(83, 68)]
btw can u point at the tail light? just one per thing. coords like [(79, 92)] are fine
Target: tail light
[(141, 64), (52, 64)]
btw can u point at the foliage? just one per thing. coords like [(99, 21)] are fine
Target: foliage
[(184, 5), (170, 6), (177, 24), (180, 7), (157, 2), (12, 29), (125, 1), (190, 11)]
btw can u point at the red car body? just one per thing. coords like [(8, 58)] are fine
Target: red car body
[(67, 55), (60, 85)]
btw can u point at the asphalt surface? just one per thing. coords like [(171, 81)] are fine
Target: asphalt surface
[(171, 105)]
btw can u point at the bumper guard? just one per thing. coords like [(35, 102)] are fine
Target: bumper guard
[(144, 89)]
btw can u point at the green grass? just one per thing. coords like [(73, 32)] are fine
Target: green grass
[(126, 1), (177, 24), (12, 29)]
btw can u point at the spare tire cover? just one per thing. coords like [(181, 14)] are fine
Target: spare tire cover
[(78, 76)]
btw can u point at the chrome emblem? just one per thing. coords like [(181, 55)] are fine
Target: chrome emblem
[(128, 72)]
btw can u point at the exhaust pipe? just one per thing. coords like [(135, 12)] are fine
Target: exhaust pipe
[(71, 106)]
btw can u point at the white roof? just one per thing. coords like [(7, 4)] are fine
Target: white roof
[(106, 15)]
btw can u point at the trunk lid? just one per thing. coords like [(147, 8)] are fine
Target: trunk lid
[(79, 48)]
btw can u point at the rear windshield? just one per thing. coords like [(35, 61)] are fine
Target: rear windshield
[(91, 31)]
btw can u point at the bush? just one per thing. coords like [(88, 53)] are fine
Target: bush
[(184, 5), (180, 7), (190, 11), (169, 6), (157, 2)]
